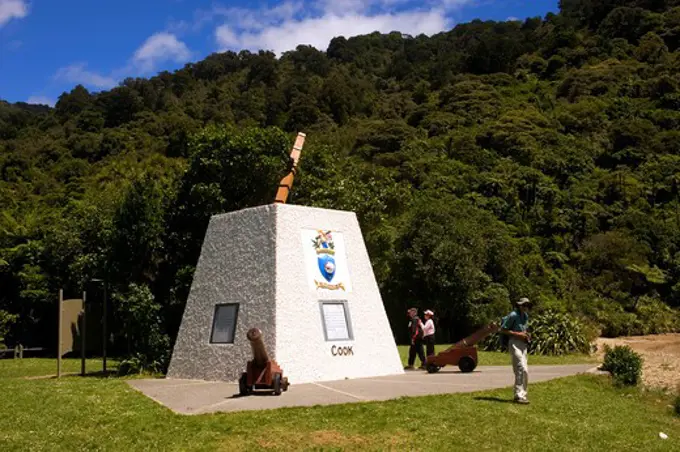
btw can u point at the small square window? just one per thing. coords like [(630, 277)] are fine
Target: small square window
[(224, 324)]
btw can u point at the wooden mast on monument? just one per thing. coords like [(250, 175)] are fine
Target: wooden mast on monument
[(286, 183)]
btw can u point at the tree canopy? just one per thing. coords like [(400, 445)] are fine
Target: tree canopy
[(535, 158)]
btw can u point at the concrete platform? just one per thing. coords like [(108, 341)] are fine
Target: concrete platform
[(200, 397)]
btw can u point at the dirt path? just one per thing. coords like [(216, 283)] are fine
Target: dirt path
[(661, 355)]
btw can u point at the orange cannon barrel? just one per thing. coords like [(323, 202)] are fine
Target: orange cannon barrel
[(260, 356)]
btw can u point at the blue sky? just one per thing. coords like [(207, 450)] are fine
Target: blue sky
[(49, 46)]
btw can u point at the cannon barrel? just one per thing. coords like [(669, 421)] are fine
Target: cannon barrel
[(477, 336), (260, 356)]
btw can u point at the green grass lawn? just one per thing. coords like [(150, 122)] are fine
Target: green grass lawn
[(40, 367), (575, 413), (503, 359)]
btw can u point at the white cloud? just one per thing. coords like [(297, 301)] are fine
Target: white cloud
[(318, 32), (247, 18), (282, 28), (78, 74), (455, 4), (159, 48), (342, 7), (40, 100), (12, 9), (316, 23)]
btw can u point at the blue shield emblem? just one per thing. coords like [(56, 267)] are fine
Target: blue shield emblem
[(325, 249), (327, 266)]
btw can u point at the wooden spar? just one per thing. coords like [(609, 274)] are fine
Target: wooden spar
[(286, 183)]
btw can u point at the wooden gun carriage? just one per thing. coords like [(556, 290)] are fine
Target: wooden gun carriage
[(261, 372), (462, 354)]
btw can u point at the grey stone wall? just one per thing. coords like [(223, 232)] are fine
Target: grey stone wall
[(237, 265)]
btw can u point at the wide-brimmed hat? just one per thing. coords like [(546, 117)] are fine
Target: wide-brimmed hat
[(428, 312), (524, 302)]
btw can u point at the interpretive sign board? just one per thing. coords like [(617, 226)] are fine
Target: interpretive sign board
[(335, 318), (224, 324)]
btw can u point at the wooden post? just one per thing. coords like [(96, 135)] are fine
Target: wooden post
[(60, 332), (104, 337), (82, 336), (286, 183)]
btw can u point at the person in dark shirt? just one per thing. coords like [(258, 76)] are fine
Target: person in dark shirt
[(416, 335)]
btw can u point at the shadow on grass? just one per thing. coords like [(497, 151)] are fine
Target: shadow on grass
[(109, 374), (102, 374), (98, 374), (494, 399)]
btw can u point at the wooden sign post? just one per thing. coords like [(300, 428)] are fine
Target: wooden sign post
[(72, 320), (82, 336), (61, 327)]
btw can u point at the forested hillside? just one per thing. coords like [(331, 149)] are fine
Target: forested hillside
[(535, 158)]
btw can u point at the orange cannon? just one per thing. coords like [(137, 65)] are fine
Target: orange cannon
[(462, 354), (261, 372)]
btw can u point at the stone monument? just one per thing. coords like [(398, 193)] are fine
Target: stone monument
[(301, 275)]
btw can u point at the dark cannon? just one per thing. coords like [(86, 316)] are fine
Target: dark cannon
[(261, 372)]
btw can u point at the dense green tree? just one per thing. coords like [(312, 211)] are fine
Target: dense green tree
[(490, 161)]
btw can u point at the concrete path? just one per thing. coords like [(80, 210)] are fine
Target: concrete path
[(199, 397)]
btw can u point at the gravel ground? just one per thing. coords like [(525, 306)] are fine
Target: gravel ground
[(661, 354)]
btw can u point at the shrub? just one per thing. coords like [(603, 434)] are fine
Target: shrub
[(552, 333), (617, 322), (623, 364), (6, 321), (655, 317), (150, 346), (651, 316), (131, 365)]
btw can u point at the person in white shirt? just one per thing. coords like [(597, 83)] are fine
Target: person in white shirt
[(428, 333)]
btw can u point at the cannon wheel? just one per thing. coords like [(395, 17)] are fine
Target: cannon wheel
[(466, 364), (277, 384), (433, 368), (243, 385)]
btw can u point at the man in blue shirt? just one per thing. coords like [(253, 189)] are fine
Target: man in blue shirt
[(515, 327)]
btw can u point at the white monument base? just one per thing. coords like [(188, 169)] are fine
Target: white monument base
[(302, 275)]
